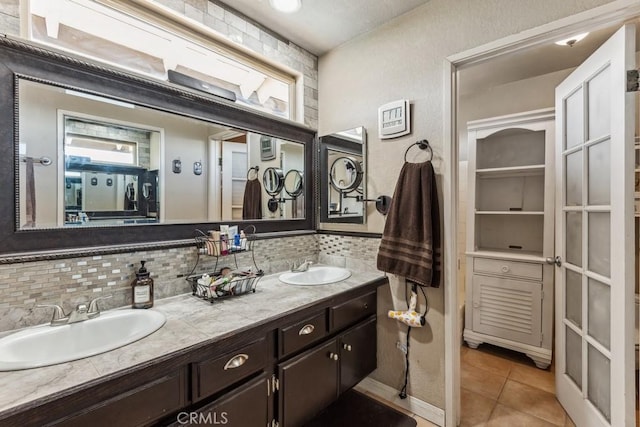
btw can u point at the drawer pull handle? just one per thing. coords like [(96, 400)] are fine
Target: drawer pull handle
[(236, 361), (306, 330), (505, 268), (346, 347), (333, 356)]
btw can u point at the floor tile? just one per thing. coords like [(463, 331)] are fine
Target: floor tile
[(480, 381), (488, 362), (532, 401), (539, 378), (476, 409), (504, 416), (421, 422), (569, 422)]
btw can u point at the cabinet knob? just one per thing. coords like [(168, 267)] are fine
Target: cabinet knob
[(306, 329), (346, 347), (505, 268), (236, 361), (333, 356), (365, 305)]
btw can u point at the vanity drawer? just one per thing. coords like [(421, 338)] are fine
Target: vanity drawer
[(302, 333), (212, 375), (350, 312), (501, 267)]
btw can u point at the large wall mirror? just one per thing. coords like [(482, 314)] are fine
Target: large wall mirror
[(85, 147), (343, 176)]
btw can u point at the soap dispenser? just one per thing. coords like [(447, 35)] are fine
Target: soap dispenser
[(142, 289)]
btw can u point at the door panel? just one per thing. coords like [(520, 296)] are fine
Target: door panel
[(594, 231)]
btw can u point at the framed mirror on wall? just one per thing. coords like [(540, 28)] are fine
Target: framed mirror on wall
[(343, 176), (86, 147)]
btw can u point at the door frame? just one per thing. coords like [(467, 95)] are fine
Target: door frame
[(609, 14)]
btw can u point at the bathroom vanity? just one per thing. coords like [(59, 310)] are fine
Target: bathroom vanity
[(276, 357)]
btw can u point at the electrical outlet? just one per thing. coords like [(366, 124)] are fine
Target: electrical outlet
[(401, 347)]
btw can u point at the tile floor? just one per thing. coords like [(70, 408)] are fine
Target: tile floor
[(499, 387)]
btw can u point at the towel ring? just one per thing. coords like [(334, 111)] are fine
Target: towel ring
[(423, 144), (255, 170)]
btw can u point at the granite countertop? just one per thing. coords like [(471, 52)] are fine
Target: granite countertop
[(190, 321)]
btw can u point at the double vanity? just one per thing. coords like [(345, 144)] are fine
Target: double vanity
[(279, 355)]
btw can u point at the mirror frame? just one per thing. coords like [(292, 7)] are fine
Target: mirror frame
[(331, 142), (21, 59)]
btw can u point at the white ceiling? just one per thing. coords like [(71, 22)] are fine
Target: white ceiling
[(534, 61), (322, 25)]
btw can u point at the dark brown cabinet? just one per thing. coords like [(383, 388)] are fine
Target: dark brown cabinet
[(357, 354), (140, 406), (308, 384), (315, 378), (282, 372), (245, 406), (211, 375)]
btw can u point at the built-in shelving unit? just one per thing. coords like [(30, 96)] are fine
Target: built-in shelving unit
[(509, 299)]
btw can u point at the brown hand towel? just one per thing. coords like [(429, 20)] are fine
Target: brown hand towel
[(410, 245), (252, 202)]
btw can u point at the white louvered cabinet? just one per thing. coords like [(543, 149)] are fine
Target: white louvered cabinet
[(509, 286)]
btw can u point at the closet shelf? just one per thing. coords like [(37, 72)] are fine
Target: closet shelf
[(509, 213), (511, 171)]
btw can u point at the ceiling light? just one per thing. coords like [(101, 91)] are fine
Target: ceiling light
[(286, 6), (572, 40)]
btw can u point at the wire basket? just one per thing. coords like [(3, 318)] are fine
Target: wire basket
[(214, 287)]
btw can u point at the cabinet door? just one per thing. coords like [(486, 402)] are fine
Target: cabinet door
[(140, 406), (308, 384), (245, 406), (509, 309), (357, 354)]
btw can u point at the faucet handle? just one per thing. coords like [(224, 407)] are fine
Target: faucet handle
[(59, 317), (93, 305)]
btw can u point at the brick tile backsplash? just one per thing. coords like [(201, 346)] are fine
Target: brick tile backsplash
[(69, 282)]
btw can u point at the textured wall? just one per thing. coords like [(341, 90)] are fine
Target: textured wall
[(404, 59), (10, 17), (69, 282)]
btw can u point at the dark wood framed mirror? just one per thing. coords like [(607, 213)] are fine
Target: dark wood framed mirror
[(25, 63), (343, 176)]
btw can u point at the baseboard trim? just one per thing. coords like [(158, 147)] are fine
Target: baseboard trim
[(411, 404)]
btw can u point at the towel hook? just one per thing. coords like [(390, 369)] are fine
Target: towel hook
[(423, 144)]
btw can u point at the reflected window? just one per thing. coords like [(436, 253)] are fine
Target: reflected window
[(154, 46)]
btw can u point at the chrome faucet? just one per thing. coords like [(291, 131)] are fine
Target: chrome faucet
[(302, 267), (80, 314)]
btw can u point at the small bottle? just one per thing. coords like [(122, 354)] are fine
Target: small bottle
[(243, 240), (224, 247), (142, 289)]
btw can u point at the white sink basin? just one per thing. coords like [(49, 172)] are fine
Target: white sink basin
[(47, 345), (317, 275)]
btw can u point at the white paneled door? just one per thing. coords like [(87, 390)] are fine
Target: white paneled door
[(234, 179), (594, 237)]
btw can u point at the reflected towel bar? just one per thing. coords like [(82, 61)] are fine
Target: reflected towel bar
[(45, 161)]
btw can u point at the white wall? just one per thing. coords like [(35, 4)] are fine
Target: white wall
[(404, 59)]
